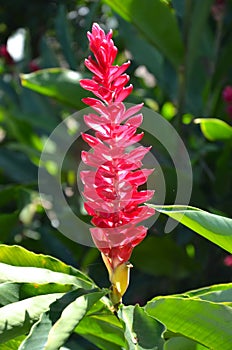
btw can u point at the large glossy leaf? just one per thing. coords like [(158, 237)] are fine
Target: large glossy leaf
[(214, 129), (13, 344), (205, 322), (182, 343), (153, 60), (64, 36), (17, 318), (216, 228), (20, 274), (141, 331), (59, 83), (198, 13), (219, 293), (18, 256), (157, 24), (57, 324), (13, 292), (102, 327)]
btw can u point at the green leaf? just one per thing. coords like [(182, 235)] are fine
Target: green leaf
[(57, 324), (153, 60), (181, 343), (102, 327), (157, 24), (18, 256), (16, 318), (214, 129), (12, 344), (205, 322), (219, 293), (216, 228), (198, 20), (141, 331), (13, 292), (223, 65), (64, 36), (37, 275), (59, 83), (17, 166)]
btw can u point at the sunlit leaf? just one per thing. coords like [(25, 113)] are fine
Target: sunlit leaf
[(57, 324), (13, 292), (17, 318), (59, 83), (205, 322), (216, 228), (214, 129), (18, 256)]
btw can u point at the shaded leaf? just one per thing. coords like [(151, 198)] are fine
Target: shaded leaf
[(198, 18), (102, 328), (17, 166), (141, 331), (64, 36), (157, 24), (153, 60)]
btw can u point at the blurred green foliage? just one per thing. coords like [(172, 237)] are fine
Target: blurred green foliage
[(181, 62)]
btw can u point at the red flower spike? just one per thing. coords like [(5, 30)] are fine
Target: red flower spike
[(111, 186)]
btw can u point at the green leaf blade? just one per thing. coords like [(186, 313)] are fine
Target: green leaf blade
[(141, 331), (214, 129), (59, 83), (57, 324), (21, 257), (157, 24), (17, 318), (205, 322), (102, 327), (216, 228)]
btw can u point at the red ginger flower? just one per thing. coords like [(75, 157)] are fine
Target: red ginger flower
[(111, 189)]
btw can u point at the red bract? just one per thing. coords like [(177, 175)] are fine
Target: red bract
[(111, 187), (227, 94), (227, 97), (6, 55), (108, 82)]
